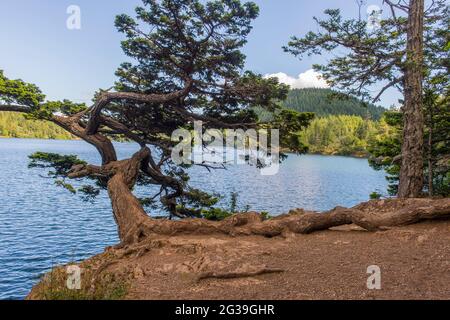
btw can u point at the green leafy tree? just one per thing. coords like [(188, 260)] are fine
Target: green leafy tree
[(384, 149)]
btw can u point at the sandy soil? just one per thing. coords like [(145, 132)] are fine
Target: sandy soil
[(332, 264)]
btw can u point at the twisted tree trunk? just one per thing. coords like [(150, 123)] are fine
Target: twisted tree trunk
[(103, 145), (128, 212), (134, 225)]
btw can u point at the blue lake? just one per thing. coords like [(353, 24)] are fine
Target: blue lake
[(42, 225)]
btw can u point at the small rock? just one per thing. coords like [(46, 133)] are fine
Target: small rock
[(138, 273), (422, 238)]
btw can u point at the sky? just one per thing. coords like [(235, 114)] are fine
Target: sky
[(37, 46)]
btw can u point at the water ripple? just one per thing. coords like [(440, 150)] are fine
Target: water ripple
[(42, 226)]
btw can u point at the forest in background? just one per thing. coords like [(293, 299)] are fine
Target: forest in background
[(343, 135), (341, 127), (324, 102), (14, 125)]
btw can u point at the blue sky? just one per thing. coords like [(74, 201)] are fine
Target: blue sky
[(72, 64)]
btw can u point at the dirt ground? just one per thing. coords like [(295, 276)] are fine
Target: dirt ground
[(414, 262)]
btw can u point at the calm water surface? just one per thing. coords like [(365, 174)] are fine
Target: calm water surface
[(42, 225)]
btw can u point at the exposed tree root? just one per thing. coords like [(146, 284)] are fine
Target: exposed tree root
[(236, 274), (372, 216)]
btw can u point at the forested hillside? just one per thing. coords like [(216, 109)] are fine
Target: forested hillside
[(323, 103), (14, 125), (341, 126)]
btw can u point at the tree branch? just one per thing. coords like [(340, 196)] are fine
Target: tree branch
[(107, 97), (397, 5), (390, 84), (14, 108)]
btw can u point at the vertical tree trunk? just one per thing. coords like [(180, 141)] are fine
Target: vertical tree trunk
[(430, 154), (411, 172)]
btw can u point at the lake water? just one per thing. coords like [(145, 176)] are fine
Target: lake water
[(42, 225)]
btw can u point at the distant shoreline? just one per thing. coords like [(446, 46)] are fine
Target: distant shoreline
[(34, 138), (357, 156)]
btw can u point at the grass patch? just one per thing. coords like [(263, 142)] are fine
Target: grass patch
[(108, 286)]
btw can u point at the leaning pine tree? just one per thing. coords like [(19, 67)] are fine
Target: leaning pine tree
[(188, 67)]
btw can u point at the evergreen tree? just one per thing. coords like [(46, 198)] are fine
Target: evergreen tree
[(392, 55), (341, 135)]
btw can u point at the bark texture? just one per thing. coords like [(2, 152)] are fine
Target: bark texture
[(103, 145), (411, 172), (372, 216)]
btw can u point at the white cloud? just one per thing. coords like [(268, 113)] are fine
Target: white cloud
[(307, 79)]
